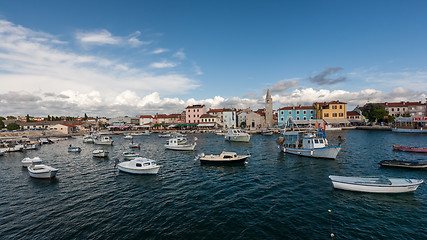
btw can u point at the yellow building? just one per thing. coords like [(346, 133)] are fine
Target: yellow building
[(331, 110)]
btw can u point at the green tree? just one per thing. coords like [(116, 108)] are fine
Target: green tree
[(1, 123), (369, 111), (28, 118), (11, 117), (85, 118), (2, 118), (379, 114), (13, 126)]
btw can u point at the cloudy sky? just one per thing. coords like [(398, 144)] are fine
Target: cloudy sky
[(114, 58)]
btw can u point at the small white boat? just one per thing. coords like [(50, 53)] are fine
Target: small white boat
[(139, 165), (375, 184), (88, 139), (42, 171), (267, 133), (74, 149), (103, 140), (130, 155), (100, 153), (30, 161), (128, 136), (179, 144), (237, 135), (146, 133), (166, 135), (223, 158)]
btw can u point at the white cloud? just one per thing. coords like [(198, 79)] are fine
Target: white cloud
[(99, 37), (160, 50), (180, 54), (163, 64)]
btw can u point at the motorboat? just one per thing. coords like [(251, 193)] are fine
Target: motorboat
[(42, 171), (134, 145), (403, 164), (380, 184), (11, 145), (88, 139), (309, 143), (409, 149), (30, 145), (100, 153), (128, 136), (74, 149), (130, 155), (237, 135), (223, 158), (103, 140), (410, 125), (30, 161), (267, 133), (139, 165), (165, 135), (180, 144)]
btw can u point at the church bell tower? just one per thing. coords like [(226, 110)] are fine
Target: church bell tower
[(269, 110)]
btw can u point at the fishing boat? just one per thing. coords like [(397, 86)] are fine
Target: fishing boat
[(139, 165), (88, 139), (309, 143), (42, 171), (237, 135), (103, 140), (380, 184), (74, 149), (30, 161), (180, 144), (130, 155), (223, 158), (100, 153), (403, 164), (409, 149)]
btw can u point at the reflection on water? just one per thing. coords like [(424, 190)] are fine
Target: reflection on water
[(274, 195)]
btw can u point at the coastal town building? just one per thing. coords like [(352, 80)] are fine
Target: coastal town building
[(269, 119), (209, 121), (255, 120), (410, 109), (241, 117), (193, 113), (144, 119), (217, 113), (334, 113), (355, 118), (229, 118), (295, 113)]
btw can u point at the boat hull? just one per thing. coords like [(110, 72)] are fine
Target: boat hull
[(153, 170), (409, 149), (395, 186), (42, 174), (209, 160), (403, 164), (242, 138), (326, 152), (181, 147), (409, 130)]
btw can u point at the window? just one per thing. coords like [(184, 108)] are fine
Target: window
[(341, 115), (334, 114), (305, 118), (326, 115), (281, 119), (290, 112), (316, 141), (297, 112), (340, 106), (311, 112), (321, 140), (398, 109), (311, 117), (282, 112), (304, 112), (392, 109), (297, 118), (138, 165)]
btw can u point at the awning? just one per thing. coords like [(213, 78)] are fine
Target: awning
[(206, 125), (337, 121)]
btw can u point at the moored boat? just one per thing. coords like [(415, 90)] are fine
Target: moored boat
[(410, 125), (42, 171), (74, 149), (30, 161), (130, 155), (179, 144), (409, 149), (403, 164), (237, 135), (128, 136), (375, 184), (103, 140), (134, 145), (100, 153), (139, 165), (223, 158), (88, 139)]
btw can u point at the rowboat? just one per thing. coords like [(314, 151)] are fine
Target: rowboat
[(409, 149), (30, 161), (179, 144), (42, 171), (403, 164), (100, 153), (375, 184)]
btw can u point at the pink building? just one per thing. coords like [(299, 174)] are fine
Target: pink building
[(193, 113)]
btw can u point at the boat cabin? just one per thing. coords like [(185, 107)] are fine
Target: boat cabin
[(304, 140)]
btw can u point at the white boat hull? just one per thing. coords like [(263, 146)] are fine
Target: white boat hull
[(45, 173), (395, 186), (326, 152), (240, 138), (124, 168), (409, 130), (187, 147)]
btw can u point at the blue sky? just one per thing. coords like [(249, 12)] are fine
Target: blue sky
[(110, 58)]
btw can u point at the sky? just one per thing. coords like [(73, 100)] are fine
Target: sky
[(128, 58)]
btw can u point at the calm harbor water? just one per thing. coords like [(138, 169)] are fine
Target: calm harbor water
[(273, 196)]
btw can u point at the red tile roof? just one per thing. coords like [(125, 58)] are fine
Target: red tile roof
[(401, 104), (352, 113), (207, 116), (145, 116), (298, 108)]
